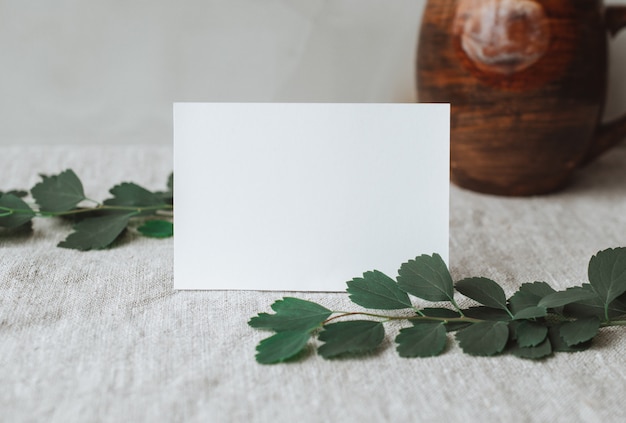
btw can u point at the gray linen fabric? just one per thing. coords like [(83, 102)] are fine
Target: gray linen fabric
[(102, 337)]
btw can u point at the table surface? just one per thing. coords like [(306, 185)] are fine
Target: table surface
[(102, 336)]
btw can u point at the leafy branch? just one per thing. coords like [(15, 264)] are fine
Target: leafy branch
[(97, 225), (534, 323)]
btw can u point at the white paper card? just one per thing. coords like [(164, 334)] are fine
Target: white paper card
[(304, 197)]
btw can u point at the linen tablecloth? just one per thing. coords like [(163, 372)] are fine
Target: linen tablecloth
[(101, 336)]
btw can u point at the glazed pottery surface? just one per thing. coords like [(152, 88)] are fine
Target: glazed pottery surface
[(527, 82)]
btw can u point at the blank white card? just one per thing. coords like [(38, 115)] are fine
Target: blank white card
[(305, 197)]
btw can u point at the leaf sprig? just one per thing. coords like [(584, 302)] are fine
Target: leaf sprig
[(534, 323), (98, 225)]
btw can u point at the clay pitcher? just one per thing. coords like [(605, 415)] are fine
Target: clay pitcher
[(527, 83)]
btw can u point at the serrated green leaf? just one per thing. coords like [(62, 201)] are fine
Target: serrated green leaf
[(579, 330), (96, 232), (483, 290), (378, 291), (427, 277), (128, 194), (483, 339), (544, 349), (559, 345), (530, 334), (58, 193), (487, 313), (607, 274), (157, 229), (529, 295), (531, 313), (358, 336), (561, 298), (292, 314), (281, 346), (595, 307), (16, 192), (424, 339), (10, 217)]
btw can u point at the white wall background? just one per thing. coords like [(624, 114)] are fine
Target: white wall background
[(107, 71)]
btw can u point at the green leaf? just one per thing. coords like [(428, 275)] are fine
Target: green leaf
[(132, 195), (483, 290), (444, 313), (544, 349), (530, 334), (281, 346), (157, 229), (16, 192), (561, 298), (427, 277), (483, 339), (529, 295), (358, 336), (13, 218), (531, 313), (455, 326), (292, 314), (580, 330), (58, 193), (424, 339), (168, 196), (96, 232), (377, 291), (595, 306), (607, 273), (559, 345), (487, 313)]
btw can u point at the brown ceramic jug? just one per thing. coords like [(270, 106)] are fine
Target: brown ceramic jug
[(526, 80)]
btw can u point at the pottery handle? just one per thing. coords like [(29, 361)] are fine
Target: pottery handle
[(611, 133)]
